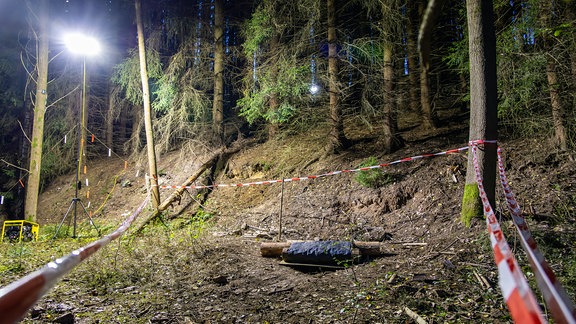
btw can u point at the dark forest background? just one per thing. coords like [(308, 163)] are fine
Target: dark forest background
[(276, 75)]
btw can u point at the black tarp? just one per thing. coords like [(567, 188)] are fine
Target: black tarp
[(319, 252)]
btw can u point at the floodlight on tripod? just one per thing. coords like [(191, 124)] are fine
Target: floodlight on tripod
[(85, 46)]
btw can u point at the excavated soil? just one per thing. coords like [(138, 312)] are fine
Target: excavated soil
[(207, 268)]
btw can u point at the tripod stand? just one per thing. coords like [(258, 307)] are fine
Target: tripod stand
[(74, 203), (85, 46)]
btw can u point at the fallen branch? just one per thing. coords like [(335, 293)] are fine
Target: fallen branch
[(176, 195), (414, 316)]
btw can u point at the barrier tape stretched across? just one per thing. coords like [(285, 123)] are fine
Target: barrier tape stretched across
[(561, 307), (21, 295), (18, 297), (266, 182), (515, 289)]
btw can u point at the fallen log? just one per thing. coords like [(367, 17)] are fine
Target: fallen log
[(274, 249), (176, 195), (321, 252)]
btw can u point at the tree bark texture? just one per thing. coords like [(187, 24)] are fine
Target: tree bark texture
[(337, 137), (483, 105), (558, 112), (390, 138), (424, 47), (412, 50), (154, 190), (273, 103), (33, 187), (218, 102)]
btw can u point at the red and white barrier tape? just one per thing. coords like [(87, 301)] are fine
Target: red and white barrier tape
[(266, 182), (515, 289), (18, 297), (21, 295), (561, 307)]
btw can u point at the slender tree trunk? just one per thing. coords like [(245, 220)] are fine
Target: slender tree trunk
[(412, 57), (147, 109), (390, 141), (338, 140), (136, 129), (558, 114), (110, 118), (33, 188), (424, 45), (483, 106), (218, 103), (273, 104)]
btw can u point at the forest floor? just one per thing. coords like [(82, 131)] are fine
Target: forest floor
[(205, 266)]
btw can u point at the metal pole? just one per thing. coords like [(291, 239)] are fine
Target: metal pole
[(281, 208), (82, 138)]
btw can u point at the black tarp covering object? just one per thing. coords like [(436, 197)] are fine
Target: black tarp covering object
[(319, 252)]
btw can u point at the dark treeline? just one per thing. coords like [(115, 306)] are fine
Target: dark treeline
[(286, 67)]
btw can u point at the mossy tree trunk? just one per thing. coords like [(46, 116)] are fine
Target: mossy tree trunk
[(483, 106)]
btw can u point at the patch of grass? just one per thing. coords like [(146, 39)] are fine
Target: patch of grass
[(198, 223), (373, 178)]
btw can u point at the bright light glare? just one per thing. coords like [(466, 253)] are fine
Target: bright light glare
[(82, 44), (314, 88)]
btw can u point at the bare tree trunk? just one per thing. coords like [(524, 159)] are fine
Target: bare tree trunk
[(136, 129), (424, 42), (338, 140), (33, 188), (110, 118), (390, 141), (218, 103), (147, 109), (483, 106), (273, 104), (558, 114), (412, 57)]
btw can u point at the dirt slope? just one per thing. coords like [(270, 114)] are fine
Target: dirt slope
[(206, 267)]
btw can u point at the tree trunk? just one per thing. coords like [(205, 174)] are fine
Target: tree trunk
[(558, 114), (338, 140), (424, 45), (110, 118), (218, 103), (154, 190), (177, 194), (390, 141), (412, 57), (136, 129), (273, 104), (33, 188), (483, 106)]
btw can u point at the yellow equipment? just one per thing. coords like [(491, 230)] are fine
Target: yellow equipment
[(31, 235)]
